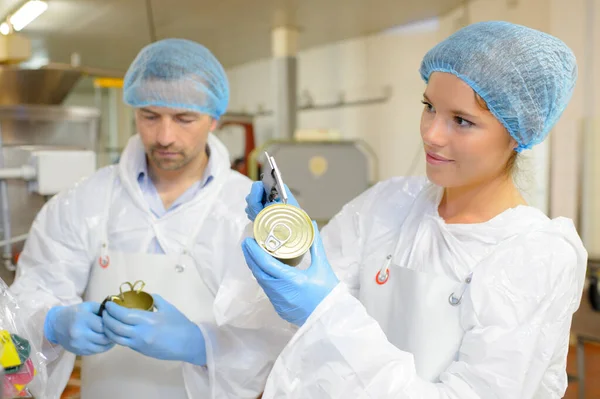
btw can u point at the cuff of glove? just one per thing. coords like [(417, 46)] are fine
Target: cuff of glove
[(209, 351), (198, 348), (339, 291), (325, 305), (48, 328)]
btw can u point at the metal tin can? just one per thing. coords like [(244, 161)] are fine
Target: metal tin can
[(284, 231), (132, 299)]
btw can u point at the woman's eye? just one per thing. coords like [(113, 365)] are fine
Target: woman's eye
[(463, 122), (428, 106)]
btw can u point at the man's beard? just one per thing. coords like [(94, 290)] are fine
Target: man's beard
[(168, 163)]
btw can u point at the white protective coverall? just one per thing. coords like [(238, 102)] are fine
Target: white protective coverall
[(468, 311), (59, 266)]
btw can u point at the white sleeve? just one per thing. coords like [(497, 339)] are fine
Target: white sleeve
[(53, 270), (242, 345), (521, 304)]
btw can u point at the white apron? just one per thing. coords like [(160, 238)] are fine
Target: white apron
[(122, 373), (419, 312)]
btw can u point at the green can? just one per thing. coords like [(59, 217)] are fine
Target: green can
[(284, 231)]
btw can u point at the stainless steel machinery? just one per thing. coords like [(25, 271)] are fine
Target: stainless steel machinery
[(322, 175), (36, 131)]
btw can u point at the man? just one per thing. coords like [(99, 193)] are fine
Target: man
[(171, 214)]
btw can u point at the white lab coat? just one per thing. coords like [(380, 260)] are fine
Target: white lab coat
[(515, 314), (65, 240)]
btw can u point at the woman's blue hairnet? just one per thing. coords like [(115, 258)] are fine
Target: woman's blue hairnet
[(525, 76), (180, 74)]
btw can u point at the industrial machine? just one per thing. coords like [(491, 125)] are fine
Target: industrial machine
[(322, 175), (45, 148)]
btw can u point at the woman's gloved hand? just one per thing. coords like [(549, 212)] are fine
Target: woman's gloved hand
[(294, 293), (77, 328), (165, 334), (256, 201)]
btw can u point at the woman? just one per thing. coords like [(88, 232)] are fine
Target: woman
[(450, 287)]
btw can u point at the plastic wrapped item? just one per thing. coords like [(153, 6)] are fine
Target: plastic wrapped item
[(21, 357)]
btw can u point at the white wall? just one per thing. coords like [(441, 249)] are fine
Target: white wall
[(360, 68)]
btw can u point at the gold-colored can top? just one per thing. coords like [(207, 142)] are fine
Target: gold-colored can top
[(134, 298), (284, 231)]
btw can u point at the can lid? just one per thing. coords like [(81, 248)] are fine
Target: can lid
[(284, 231)]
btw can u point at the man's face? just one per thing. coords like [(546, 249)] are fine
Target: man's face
[(173, 138)]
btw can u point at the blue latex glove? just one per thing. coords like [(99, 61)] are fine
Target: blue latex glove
[(257, 200), (294, 293), (77, 328), (165, 334)]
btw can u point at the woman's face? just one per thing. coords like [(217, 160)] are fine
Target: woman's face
[(465, 144)]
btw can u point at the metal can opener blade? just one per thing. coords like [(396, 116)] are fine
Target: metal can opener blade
[(272, 181)]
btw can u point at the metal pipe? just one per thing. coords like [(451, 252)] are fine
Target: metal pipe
[(14, 240), (113, 124), (151, 24), (25, 172), (284, 41), (285, 71), (584, 221), (6, 228)]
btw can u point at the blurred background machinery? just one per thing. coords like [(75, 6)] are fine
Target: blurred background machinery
[(322, 175), (45, 147)]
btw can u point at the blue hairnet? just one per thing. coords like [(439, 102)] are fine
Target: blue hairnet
[(525, 76), (180, 74)]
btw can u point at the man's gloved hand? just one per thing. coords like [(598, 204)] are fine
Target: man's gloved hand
[(165, 334), (256, 201), (294, 293), (77, 328)]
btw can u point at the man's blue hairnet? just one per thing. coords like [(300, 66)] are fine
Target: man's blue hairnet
[(180, 74), (525, 76)]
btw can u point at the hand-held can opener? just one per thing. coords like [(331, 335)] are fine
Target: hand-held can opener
[(272, 181)]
